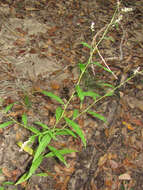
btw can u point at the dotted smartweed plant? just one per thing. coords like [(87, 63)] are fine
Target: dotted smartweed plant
[(72, 128)]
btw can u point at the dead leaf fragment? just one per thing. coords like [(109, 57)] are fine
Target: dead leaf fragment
[(55, 86), (125, 176), (128, 125), (113, 164), (6, 172), (102, 160)]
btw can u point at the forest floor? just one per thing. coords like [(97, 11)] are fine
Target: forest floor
[(40, 48)]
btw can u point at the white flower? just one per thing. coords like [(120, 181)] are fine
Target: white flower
[(92, 26), (126, 9), (23, 145), (119, 19), (136, 70)]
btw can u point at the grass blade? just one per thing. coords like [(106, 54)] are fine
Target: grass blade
[(77, 129)]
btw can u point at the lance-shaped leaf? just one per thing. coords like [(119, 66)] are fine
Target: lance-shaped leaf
[(97, 116), (57, 154), (35, 164), (62, 152), (99, 65), (41, 124), (91, 94), (45, 140), (75, 113), (86, 45), (6, 124), (80, 93), (24, 119), (33, 130), (82, 66), (27, 102), (51, 95), (7, 108), (59, 112), (65, 132), (77, 129)]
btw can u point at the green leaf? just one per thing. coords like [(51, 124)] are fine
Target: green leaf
[(27, 101), (77, 129), (62, 152), (45, 140), (22, 179), (91, 94), (7, 108), (6, 124), (42, 174), (8, 183), (110, 93), (98, 64), (59, 112), (97, 116), (41, 124), (1, 188), (24, 119), (52, 135), (75, 113), (82, 67), (33, 168), (106, 85), (109, 38), (57, 154), (33, 129), (86, 45), (65, 132), (80, 93), (35, 164), (51, 95)]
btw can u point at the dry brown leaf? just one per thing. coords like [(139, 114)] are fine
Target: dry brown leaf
[(55, 86), (102, 160), (6, 172), (52, 121), (113, 164), (128, 125), (20, 42), (108, 182), (112, 156)]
